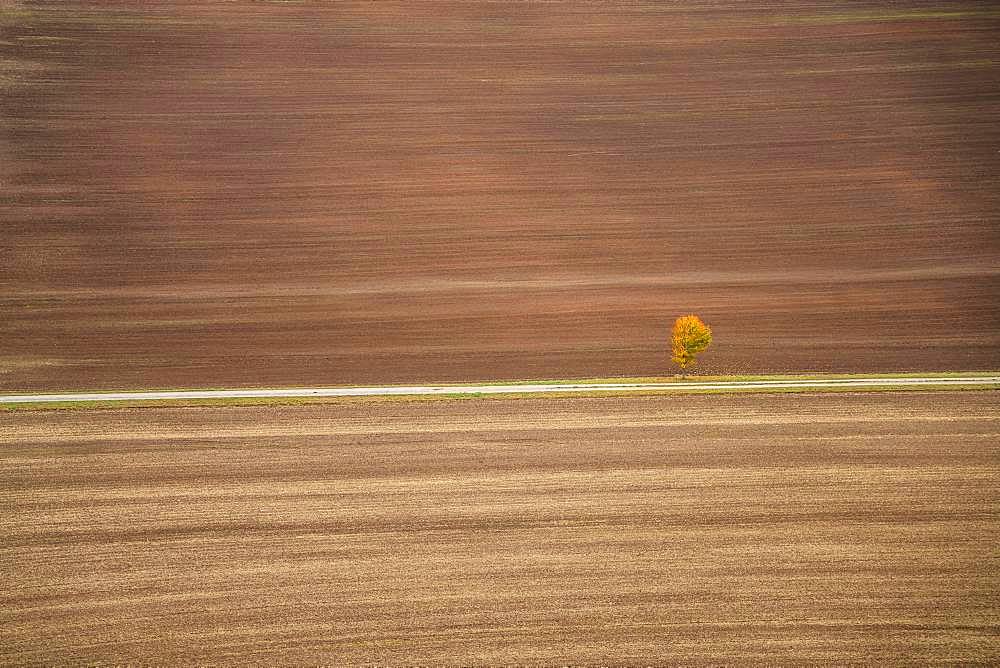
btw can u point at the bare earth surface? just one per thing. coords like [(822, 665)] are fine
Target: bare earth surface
[(728, 529), (271, 193)]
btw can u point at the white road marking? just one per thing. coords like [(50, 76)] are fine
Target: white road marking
[(419, 390)]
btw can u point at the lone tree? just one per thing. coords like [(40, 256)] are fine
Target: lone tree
[(690, 337)]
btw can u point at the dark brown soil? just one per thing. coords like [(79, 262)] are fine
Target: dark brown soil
[(268, 193), (792, 529)]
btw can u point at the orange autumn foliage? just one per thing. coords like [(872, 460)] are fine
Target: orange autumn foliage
[(690, 337)]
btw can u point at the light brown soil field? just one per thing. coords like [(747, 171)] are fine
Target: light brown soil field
[(270, 193), (725, 529)]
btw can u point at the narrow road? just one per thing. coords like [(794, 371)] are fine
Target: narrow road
[(426, 390)]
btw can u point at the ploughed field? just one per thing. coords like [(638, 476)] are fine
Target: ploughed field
[(645, 530), (272, 193)]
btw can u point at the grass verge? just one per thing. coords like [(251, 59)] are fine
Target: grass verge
[(480, 396)]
